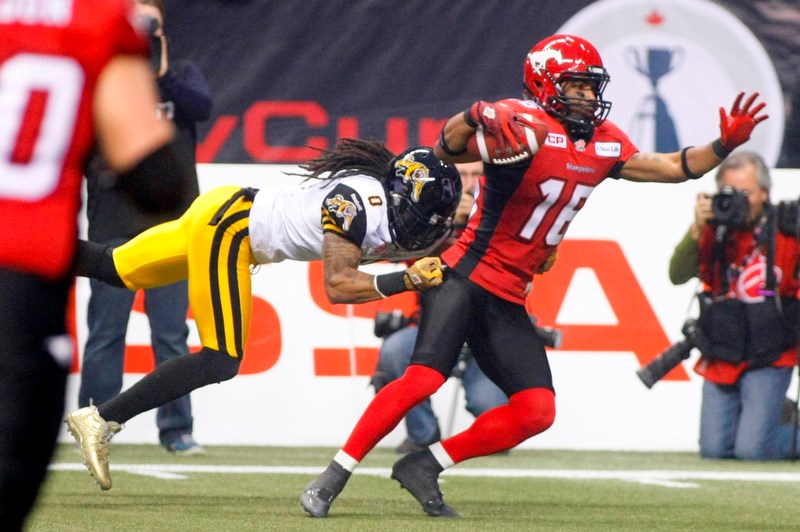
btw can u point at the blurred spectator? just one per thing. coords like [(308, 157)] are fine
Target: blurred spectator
[(64, 82), (114, 219)]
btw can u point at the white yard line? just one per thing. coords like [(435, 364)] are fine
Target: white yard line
[(673, 479)]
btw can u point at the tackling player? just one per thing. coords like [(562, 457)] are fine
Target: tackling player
[(72, 72), (361, 204), (523, 212)]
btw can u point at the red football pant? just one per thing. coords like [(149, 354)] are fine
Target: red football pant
[(389, 407), (528, 413)]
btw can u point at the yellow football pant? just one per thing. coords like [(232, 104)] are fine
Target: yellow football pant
[(215, 257)]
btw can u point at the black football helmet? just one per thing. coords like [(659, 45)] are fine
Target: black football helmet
[(423, 194)]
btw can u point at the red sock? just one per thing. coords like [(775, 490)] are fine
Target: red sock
[(527, 413), (389, 406)]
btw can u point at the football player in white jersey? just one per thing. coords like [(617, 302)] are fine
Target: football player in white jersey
[(359, 203)]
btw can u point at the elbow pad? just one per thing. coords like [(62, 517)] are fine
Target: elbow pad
[(159, 182)]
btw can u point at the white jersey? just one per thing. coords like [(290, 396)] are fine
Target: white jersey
[(289, 223)]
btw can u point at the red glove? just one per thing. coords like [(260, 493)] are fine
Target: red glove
[(735, 129), (499, 121)]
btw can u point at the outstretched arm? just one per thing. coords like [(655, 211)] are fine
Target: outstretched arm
[(345, 283), (694, 162)]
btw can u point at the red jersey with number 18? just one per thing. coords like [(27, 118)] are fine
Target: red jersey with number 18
[(52, 54), (524, 210)]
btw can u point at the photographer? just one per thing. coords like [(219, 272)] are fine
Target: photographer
[(748, 312), (114, 219)]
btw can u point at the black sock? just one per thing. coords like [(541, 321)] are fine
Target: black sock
[(169, 381)]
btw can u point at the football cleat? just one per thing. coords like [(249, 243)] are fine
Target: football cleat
[(320, 492), (93, 434), (418, 472), (182, 444)]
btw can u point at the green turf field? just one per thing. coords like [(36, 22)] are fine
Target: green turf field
[(257, 488)]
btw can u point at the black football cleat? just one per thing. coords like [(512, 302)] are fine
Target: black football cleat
[(320, 492), (418, 472)]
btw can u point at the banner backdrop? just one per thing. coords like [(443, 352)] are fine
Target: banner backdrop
[(305, 377), (289, 74), (294, 73)]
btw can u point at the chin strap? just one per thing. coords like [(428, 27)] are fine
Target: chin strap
[(578, 129)]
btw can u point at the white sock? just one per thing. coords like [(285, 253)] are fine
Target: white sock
[(345, 460), (441, 455)]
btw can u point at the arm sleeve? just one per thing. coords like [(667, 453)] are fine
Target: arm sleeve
[(685, 261), (186, 87)]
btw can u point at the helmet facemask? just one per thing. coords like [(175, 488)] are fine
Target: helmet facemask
[(580, 115), (413, 230)]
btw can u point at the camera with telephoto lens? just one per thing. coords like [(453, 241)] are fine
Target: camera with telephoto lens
[(550, 336), (674, 355), (387, 323), (730, 208)]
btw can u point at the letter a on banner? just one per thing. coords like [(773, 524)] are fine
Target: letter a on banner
[(637, 329)]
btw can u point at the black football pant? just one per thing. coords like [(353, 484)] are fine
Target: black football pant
[(35, 355)]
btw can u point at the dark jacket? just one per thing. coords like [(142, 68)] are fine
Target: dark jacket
[(112, 214)]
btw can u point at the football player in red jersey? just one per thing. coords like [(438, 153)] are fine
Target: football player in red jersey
[(72, 72), (522, 214)]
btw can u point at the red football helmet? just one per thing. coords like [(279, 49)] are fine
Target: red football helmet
[(563, 58)]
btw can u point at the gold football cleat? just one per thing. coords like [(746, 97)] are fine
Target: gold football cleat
[(93, 434)]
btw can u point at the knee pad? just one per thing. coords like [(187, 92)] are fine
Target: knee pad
[(535, 409)]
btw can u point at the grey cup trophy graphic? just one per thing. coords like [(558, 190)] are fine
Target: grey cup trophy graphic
[(652, 118)]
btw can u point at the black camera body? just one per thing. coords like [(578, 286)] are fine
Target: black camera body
[(730, 208), (789, 218), (387, 323), (675, 354)]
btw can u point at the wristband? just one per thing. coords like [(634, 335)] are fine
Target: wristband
[(468, 119), (447, 149), (389, 284), (688, 173), (720, 150)]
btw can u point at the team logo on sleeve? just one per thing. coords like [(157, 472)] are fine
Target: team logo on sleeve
[(343, 209), (413, 172)]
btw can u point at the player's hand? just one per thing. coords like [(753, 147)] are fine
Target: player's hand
[(501, 122), (702, 214), (702, 209), (424, 274), (735, 128), (551, 259)]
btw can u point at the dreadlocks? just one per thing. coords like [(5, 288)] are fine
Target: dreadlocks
[(350, 157)]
